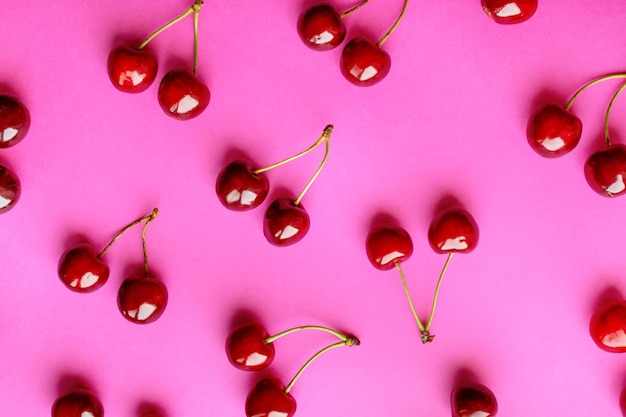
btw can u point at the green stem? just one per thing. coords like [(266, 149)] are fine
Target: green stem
[(395, 25), (592, 83), (124, 230), (443, 272), (196, 13), (195, 7), (339, 335), (317, 172), (143, 240), (408, 295), (608, 112), (354, 9)]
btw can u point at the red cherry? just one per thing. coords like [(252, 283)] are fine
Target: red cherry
[(78, 403), (81, 270), (605, 171), (554, 131), (239, 189), (131, 70), (247, 350), (268, 399), (471, 400), (386, 245), (10, 189), (453, 230), (14, 121), (608, 327), (182, 95), (321, 28), (509, 11), (364, 63), (285, 223), (142, 299)]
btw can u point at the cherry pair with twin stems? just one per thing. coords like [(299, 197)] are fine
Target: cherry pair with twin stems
[(240, 187), (140, 299), (14, 125), (554, 131), (251, 348), (181, 94)]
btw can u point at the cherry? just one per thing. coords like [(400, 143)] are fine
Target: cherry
[(608, 327), (387, 245), (131, 70), (321, 28), (142, 300), (285, 223), (247, 349), (268, 399), (81, 270), (10, 189), (554, 131), (364, 63), (78, 403), (453, 230), (605, 171), (182, 95), (239, 188), (472, 399), (14, 121), (509, 11)]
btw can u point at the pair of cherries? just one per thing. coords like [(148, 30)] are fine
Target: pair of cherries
[(554, 131), (240, 187), (81, 402), (14, 125), (181, 94), (140, 299), (388, 245), (250, 348), (508, 12)]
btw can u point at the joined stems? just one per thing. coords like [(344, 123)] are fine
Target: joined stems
[(339, 335), (591, 83), (395, 25), (317, 172), (608, 112), (354, 9), (195, 7), (125, 229), (408, 295)]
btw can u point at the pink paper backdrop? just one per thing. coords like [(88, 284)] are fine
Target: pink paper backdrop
[(449, 120)]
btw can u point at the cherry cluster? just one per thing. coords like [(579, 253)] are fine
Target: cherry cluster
[(14, 124), (388, 245), (240, 187), (250, 348), (140, 299), (181, 94), (508, 12)]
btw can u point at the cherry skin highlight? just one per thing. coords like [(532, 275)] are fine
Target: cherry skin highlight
[(364, 63), (142, 300), (453, 230), (10, 189), (608, 327), (81, 270), (321, 28), (385, 245), (268, 399), (470, 400), (285, 223), (14, 121), (77, 403), (247, 350), (182, 95), (509, 11), (131, 70), (605, 171), (554, 131), (239, 189)]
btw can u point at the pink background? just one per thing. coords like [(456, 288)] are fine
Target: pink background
[(449, 120)]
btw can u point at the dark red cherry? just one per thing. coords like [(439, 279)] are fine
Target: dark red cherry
[(509, 11), (386, 244), (10, 189), (14, 121), (131, 70), (605, 171), (239, 189), (554, 131), (142, 299), (364, 63), (608, 327), (268, 399), (81, 270), (247, 350), (285, 223), (182, 95), (321, 28), (78, 403), (453, 230), (472, 399)]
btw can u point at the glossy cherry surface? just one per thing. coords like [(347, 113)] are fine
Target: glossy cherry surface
[(246, 348), (453, 230), (364, 63), (386, 244), (131, 70), (608, 327), (554, 131), (182, 95), (14, 121), (142, 299), (268, 399), (605, 171), (472, 400), (321, 28), (81, 270), (239, 189), (285, 223), (509, 11), (78, 403), (10, 189)]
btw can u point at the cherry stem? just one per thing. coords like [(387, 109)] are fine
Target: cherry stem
[(592, 83), (443, 272), (354, 9), (317, 172), (195, 7), (395, 25), (143, 239), (124, 230), (350, 341), (408, 295), (339, 335), (325, 136), (608, 112), (196, 13)]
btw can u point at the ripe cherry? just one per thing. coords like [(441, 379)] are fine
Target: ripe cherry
[(554, 131), (247, 349), (131, 70), (78, 403), (10, 189), (608, 327), (285, 223), (182, 95), (387, 245), (509, 11), (453, 230), (14, 121), (605, 171), (239, 188), (321, 28), (472, 399), (82, 270), (364, 63), (142, 299), (268, 398)]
